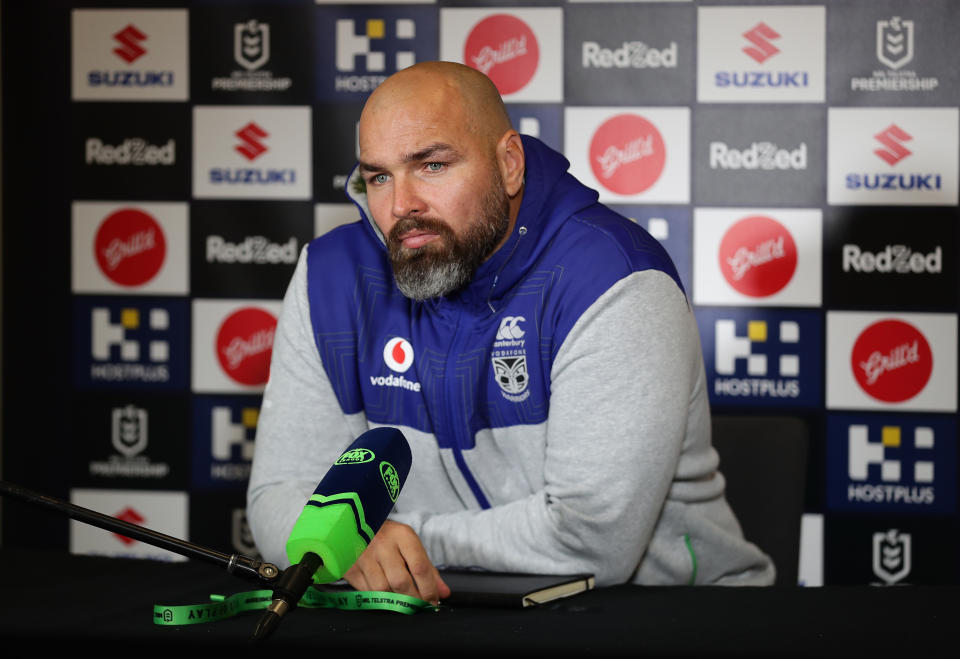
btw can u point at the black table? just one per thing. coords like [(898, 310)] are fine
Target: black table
[(59, 600)]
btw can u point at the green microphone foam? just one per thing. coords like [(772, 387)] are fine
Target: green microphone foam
[(334, 528)]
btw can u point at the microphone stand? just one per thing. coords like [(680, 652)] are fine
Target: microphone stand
[(238, 565)]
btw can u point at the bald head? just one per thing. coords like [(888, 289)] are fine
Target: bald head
[(456, 92)]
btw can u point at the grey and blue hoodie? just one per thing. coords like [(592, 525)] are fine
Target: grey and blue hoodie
[(556, 407)]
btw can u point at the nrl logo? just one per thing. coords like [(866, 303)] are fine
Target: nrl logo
[(895, 42), (891, 555), (129, 430), (251, 44)]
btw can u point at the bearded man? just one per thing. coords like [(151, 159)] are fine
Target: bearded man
[(536, 349)]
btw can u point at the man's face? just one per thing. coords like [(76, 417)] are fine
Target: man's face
[(435, 192)]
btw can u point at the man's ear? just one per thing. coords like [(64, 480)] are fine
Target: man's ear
[(511, 161)]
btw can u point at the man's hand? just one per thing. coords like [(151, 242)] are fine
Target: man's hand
[(395, 561)]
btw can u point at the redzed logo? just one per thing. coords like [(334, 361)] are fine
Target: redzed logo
[(892, 361), (245, 343), (398, 354), (627, 154), (250, 135), (758, 256), (130, 515), (759, 35), (130, 247), (505, 49), (130, 49), (891, 137)]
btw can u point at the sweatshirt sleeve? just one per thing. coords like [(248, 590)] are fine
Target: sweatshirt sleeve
[(626, 391), (301, 429)]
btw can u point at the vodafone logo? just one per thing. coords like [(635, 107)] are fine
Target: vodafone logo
[(251, 136), (130, 49), (892, 138), (505, 49), (758, 256), (892, 361), (398, 354), (130, 247), (760, 35), (244, 343), (627, 154)]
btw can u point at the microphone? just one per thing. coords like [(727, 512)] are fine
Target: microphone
[(341, 517)]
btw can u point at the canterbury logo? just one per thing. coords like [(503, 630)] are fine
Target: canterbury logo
[(129, 38), (892, 137), (509, 329), (759, 35), (251, 134)]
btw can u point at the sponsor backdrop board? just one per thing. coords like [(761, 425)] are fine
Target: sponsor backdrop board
[(799, 161)]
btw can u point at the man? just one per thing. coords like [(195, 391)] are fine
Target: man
[(535, 348)]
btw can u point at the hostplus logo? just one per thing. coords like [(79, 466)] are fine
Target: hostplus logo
[(252, 144), (628, 55), (763, 379), (895, 38), (129, 50), (881, 475), (893, 151), (129, 438), (232, 443), (761, 49), (370, 44), (126, 351), (398, 356), (251, 51)]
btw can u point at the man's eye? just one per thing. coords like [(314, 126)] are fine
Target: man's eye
[(379, 179), (435, 166)]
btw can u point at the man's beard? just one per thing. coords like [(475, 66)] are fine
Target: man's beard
[(446, 264)]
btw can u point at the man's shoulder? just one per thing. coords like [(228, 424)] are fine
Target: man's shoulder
[(603, 242)]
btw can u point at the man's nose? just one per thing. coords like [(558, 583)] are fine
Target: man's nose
[(407, 199)]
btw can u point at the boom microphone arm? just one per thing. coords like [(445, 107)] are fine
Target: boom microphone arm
[(236, 564)]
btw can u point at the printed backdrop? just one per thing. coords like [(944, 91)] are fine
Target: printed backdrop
[(799, 162)]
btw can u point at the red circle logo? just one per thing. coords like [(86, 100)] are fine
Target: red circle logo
[(892, 361), (130, 247), (505, 49), (398, 354), (245, 343), (627, 154), (758, 256)]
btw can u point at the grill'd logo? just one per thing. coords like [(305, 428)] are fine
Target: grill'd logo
[(130, 247), (760, 36), (505, 49), (758, 256), (244, 345), (251, 136), (627, 154), (130, 49), (892, 361)]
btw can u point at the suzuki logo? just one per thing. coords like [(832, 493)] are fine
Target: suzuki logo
[(891, 137), (129, 37), (251, 134), (759, 36)]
